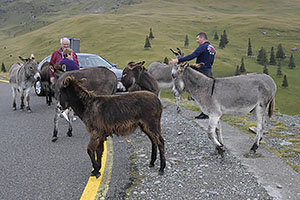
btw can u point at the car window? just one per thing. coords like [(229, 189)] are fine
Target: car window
[(87, 61)]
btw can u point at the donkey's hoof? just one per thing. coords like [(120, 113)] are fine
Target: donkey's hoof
[(69, 133), (220, 150), (95, 173), (14, 108), (151, 165), (161, 172), (29, 110), (54, 138)]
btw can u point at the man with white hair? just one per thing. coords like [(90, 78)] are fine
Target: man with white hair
[(58, 55)]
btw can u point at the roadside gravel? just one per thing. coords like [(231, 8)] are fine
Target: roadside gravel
[(193, 171)]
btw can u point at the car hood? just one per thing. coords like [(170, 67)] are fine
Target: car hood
[(118, 72)]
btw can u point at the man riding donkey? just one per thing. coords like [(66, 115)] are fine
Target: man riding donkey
[(205, 54)]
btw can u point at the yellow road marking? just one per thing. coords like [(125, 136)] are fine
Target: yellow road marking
[(4, 81), (94, 185)]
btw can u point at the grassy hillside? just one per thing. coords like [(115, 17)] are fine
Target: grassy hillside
[(120, 36)]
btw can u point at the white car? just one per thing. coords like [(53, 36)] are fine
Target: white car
[(86, 60)]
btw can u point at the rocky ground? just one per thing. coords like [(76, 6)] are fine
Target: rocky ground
[(282, 133), (193, 171)]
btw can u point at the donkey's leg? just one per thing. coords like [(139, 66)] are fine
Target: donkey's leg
[(70, 116), (99, 152), (177, 103), (27, 97), (56, 118), (22, 99), (152, 137), (219, 135), (161, 147), (14, 93), (213, 122), (93, 144), (259, 110)]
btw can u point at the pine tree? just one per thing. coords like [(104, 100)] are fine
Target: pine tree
[(237, 71), (262, 57), (166, 60), (147, 43), (279, 72), (249, 48), (280, 54), (151, 36), (186, 41), (3, 67), (266, 71), (272, 57), (292, 62), (225, 37), (222, 42), (242, 68), (285, 82), (216, 37)]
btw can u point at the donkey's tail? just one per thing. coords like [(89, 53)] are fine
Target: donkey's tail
[(271, 107)]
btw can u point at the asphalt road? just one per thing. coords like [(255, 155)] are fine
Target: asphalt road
[(33, 167)]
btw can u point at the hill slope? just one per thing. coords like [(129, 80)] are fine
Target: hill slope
[(120, 36)]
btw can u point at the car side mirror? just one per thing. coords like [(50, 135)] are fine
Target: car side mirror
[(114, 65)]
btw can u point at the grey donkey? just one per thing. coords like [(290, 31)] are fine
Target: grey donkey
[(237, 95), (22, 78), (163, 74)]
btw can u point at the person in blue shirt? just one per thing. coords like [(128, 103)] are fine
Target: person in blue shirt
[(205, 55), (68, 60)]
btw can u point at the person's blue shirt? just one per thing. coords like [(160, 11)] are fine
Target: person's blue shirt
[(205, 53), (70, 64)]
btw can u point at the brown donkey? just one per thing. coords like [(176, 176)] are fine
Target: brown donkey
[(104, 115)]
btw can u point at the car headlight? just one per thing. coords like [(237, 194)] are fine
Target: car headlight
[(120, 87)]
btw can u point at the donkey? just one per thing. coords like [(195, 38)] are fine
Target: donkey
[(237, 95), (135, 77), (163, 74), (45, 80), (105, 115), (100, 80), (22, 78)]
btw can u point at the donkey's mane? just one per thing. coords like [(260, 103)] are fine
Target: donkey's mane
[(193, 67), (85, 94)]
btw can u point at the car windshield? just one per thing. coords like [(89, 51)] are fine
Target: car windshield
[(87, 61)]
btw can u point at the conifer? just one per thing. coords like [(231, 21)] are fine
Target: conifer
[(3, 67), (216, 37), (242, 68), (166, 60), (280, 54), (249, 48), (266, 71), (279, 72), (186, 41), (262, 57), (272, 57), (151, 36), (292, 64), (285, 82), (237, 71), (147, 43)]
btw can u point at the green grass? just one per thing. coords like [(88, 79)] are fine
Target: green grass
[(119, 35)]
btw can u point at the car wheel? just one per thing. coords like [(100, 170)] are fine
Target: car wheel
[(38, 88)]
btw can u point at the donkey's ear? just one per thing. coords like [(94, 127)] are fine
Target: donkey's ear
[(32, 57), (23, 59), (140, 63), (175, 53), (184, 65), (52, 68), (67, 81), (64, 67), (82, 80), (180, 52)]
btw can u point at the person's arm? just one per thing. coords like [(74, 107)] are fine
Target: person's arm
[(75, 59), (193, 55)]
